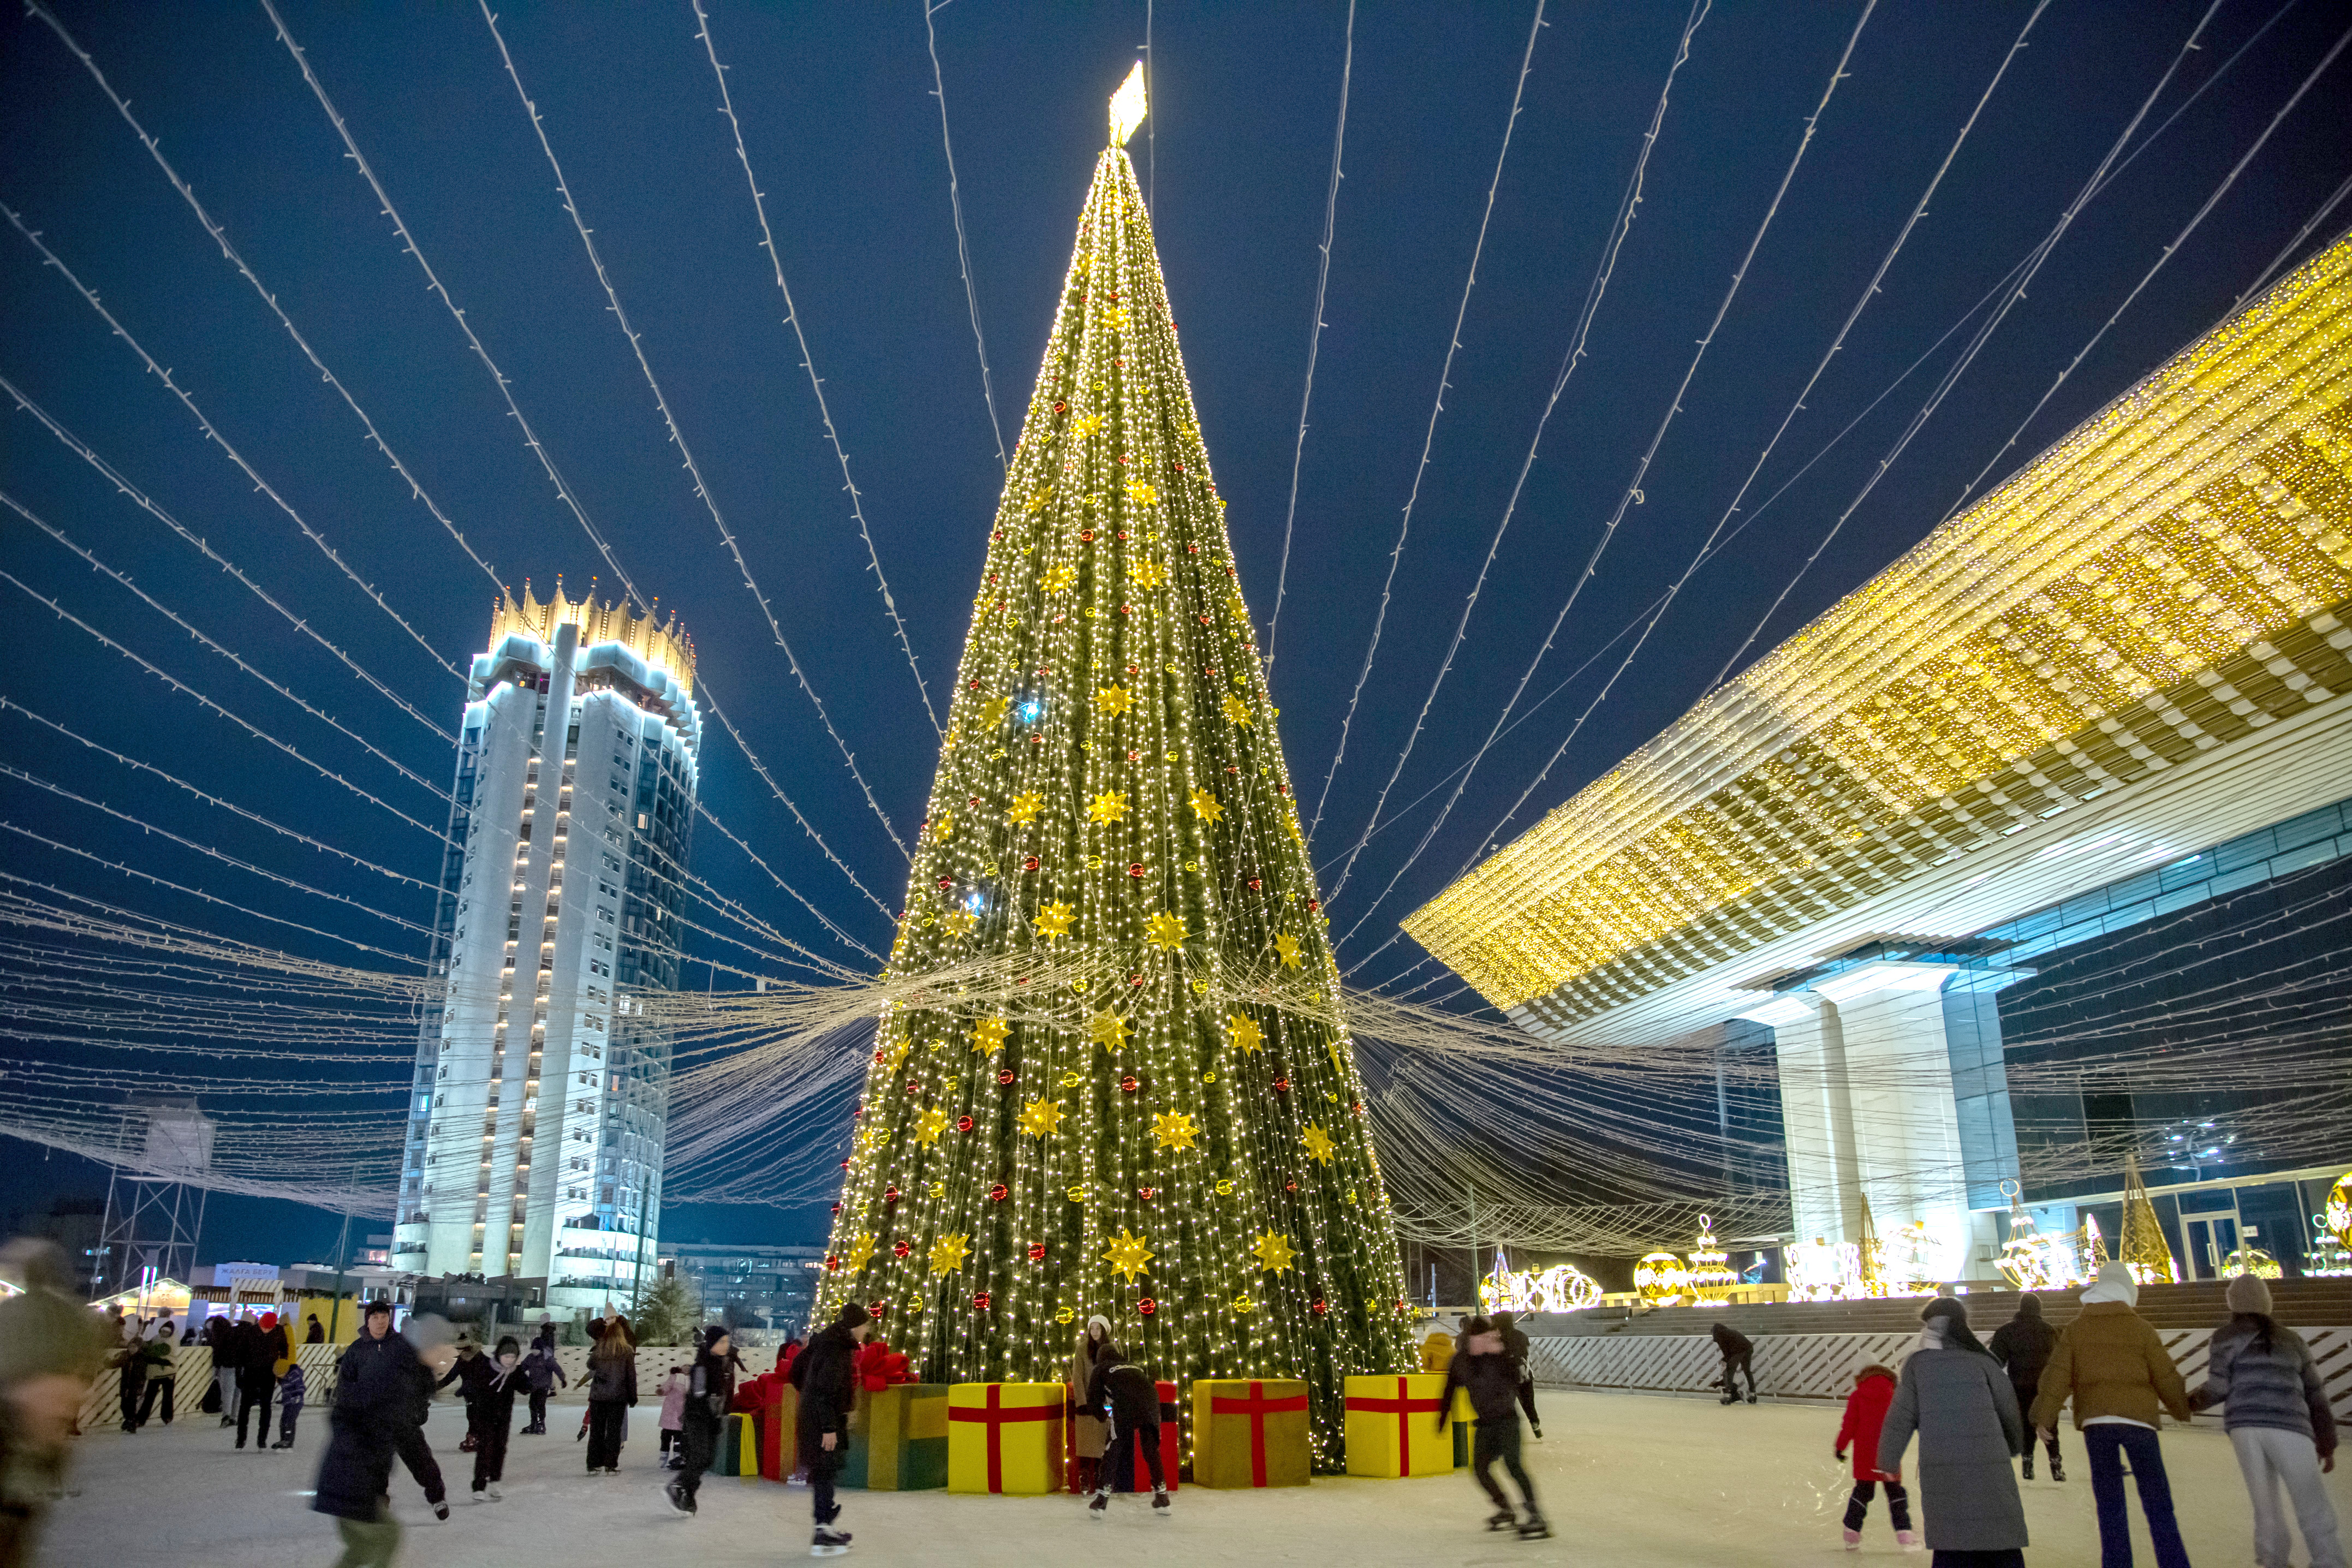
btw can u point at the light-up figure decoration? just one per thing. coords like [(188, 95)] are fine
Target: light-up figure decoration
[(1824, 1270), (1562, 1288), (1711, 1275), (1662, 1279)]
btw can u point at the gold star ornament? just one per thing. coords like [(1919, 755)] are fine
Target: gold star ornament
[(1165, 931), (929, 1125), (1024, 807), (948, 1253), (1107, 1030), (1274, 1252), (1054, 921), (1039, 1117), (1286, 946), (1128, 1255), (1113, 700), (1320, 1146), (1245, 1033), (1205, 807), (859, 1251), (1108, 807), (988, 1036), (1174, 1130)]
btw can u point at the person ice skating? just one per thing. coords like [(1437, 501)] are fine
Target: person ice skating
[(375, 1382), (710, 1389), (220, 1335), (2114, 1366), (291, 1390), (163, 1371), (673, 1417), (466, 1372), (408, 1439), (1088, 1434), (130, 1361), (1126, 1395), (1957, 1399), (826, 1374), (316, 1333), (545, 1338), (496, 1387), (2023, 1345), (1865, 1418), (2274, 1406), (278, 1354), (541, 1373), (255, 1379), (1482, 1366), (1515, 1345), (612, 1389), (51, 1347), (1739, 1356)]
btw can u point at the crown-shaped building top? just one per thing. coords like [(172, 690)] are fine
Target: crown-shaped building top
[(1167, 1127), (664, 646)]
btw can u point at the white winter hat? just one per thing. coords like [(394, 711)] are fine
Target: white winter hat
[(1101, 1322)]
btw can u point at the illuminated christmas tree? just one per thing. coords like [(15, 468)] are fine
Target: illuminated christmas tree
[(1168, 1126)]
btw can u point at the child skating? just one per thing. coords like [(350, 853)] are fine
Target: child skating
[(1486, 1370), (1865, 1413)]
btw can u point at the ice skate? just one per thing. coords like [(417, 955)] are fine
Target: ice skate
[(1853, 1540), (441, 1510), (1160, 1507), (2028, 1467), (1906, 1540), (675, 1495), (1502, 1519), (1534, 1527), (1751, 1397), (493, 1493), (1100, 1506), (829, 1543), (2057, 1470)]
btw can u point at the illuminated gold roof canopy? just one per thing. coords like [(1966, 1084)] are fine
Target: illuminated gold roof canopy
[(666, 647), (2170, 577)]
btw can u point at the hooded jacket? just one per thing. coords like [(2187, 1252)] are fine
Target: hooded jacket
[(2023, 1344), (1126, 1391), (2266, 1379), (824, 1373), (1866, 1417), (1729, 1339), (2110, 1363), (1493, 1383)]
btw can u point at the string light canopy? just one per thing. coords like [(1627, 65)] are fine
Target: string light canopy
[(2169, 578), (1168, 1126)]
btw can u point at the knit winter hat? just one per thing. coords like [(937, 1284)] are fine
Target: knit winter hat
[(2249, 1294), (1098, 1320)]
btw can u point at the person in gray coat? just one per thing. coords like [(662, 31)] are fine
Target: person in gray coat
[(1959, 1400)]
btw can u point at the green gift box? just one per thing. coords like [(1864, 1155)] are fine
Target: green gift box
[(897, 1438)]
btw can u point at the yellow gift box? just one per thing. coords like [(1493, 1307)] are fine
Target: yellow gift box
[(1392, 1425), (1465, 1430), (897, 1438), (1005, 1438), (1250, 1432)]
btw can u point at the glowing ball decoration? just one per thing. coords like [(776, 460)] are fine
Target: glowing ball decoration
[(2250, 1260), (1662, 1279), (2336, 1214), (1563, 1287), (1711, 1274)]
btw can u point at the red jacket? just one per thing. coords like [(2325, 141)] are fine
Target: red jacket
[(1865, 1412)]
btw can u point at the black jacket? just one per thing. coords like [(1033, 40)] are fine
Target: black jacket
[(494, 1394), (375, 1385), (710, 1389), (1493, 1384), (248, 1355), (1515, 1343), (219, 1335), (611, 1380), (2023, 1345), (826, 1374), (1730, 1341), (1128, 1394)]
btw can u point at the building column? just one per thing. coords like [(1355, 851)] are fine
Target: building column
[(1816, 1116)]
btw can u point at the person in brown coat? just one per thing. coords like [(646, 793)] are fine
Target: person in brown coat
[(1089, 1435), (2115, 1368)]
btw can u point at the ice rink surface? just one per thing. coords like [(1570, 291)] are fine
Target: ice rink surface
[(1626, 1479)]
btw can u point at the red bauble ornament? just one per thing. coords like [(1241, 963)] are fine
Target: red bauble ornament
[(1086, 536), (1029, 864), (1205, 621), (879, 1309), (1128, 1083), (1318, 1306), (974, 802), (1037, 1252), (981, 1300), (1134, 757), (999, 1193), (1282, 1086), (878, 1053), (1290, 1187), (837, 1207), (1147, 1193), (1147, 1306), (832, 1264), (900, 1248), (1063, 407), (1122, 534), (963, 1123), (890, 1195), (1313, 905), (1005, 1078), (946, 883), (1256, 884), (1136, 870)]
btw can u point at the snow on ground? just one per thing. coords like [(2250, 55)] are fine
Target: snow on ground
[(1626, 1478)]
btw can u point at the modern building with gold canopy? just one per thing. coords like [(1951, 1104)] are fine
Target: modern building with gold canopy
[(2132, 652), (534, 1129)]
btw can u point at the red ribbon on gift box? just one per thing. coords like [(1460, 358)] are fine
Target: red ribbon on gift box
[(1257, 1407), (1405, 1408)]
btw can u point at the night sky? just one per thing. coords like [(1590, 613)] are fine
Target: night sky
[(842, 128)]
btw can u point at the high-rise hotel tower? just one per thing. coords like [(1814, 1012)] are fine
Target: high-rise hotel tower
[(533, 1143)]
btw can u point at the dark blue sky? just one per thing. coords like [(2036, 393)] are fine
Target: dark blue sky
[(836, 108)]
